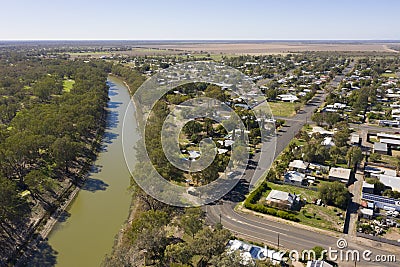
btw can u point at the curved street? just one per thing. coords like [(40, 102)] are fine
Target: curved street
[(284, 234)]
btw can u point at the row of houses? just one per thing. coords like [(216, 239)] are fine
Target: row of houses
[(299, 171)]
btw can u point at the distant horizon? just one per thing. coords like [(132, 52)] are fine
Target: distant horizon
[(288, 20), (203, 40)]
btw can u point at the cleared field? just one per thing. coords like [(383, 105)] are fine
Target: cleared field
[(282, 109), (271, 47)]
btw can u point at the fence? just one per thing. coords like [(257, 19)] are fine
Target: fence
[(379, 239)]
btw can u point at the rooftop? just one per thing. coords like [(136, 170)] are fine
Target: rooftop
[(386, 135), (367, 185), (295, 176), (390, 141), (390, 181), (341, 173), (298, 164), (380, 147), (276, 195)]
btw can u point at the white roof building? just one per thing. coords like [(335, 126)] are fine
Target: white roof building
[(390, 181), (250, 252), (288, 97), (340, 174), (281, 198), (298, 164), (328, 141), (294, 177)]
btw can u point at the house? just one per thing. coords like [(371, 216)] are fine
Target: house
[(380, 148), (340, 174), (388, 136), (367, 213), (355, 139), (281, 199), (389, 123), (298, 165), (320, 130), (367, 188), (318, 168), (250, 252), (375, 171), (328, 141), (288, 98), (294, 177), (390, 181), (381, 202), (390, 142), (318, 263)]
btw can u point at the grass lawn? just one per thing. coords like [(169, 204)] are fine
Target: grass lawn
[(389, 75), (303, 192), (282, 109), (389, 160), (325, 217), (68, 84)]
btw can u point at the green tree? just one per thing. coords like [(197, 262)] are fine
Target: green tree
[(178, 253), (38, 183), (13, 208), (375, 157), (214, 91), (228, 260), (335, 153), (318, 118), (335, 194), (191, 221), (340, 138), (64, 151), (379, 187), (209, 243), (331, 118), (354, 156), (297, 107)]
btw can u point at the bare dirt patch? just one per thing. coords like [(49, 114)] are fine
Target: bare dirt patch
[(271, 47)]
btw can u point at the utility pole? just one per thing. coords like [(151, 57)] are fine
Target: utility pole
[(278, 241), (220, 217)]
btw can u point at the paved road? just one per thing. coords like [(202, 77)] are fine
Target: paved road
[(374, 128), (262, 230)]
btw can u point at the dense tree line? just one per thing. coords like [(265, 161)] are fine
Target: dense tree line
[(46, 135)]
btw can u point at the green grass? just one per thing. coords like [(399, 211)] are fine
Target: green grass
[(68, 84), (305, 193), (282, 109), (389, 160), (389, 75)]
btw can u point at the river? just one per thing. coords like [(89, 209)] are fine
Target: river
[(102, 205)]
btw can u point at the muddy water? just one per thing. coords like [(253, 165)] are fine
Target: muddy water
[(102, 206)]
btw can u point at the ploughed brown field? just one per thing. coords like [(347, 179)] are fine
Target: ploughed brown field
[(271, 48)]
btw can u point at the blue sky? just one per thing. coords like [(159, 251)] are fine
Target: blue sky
[(200, 20)]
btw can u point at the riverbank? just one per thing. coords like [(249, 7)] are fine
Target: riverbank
[(44, 223), (87, 230)]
